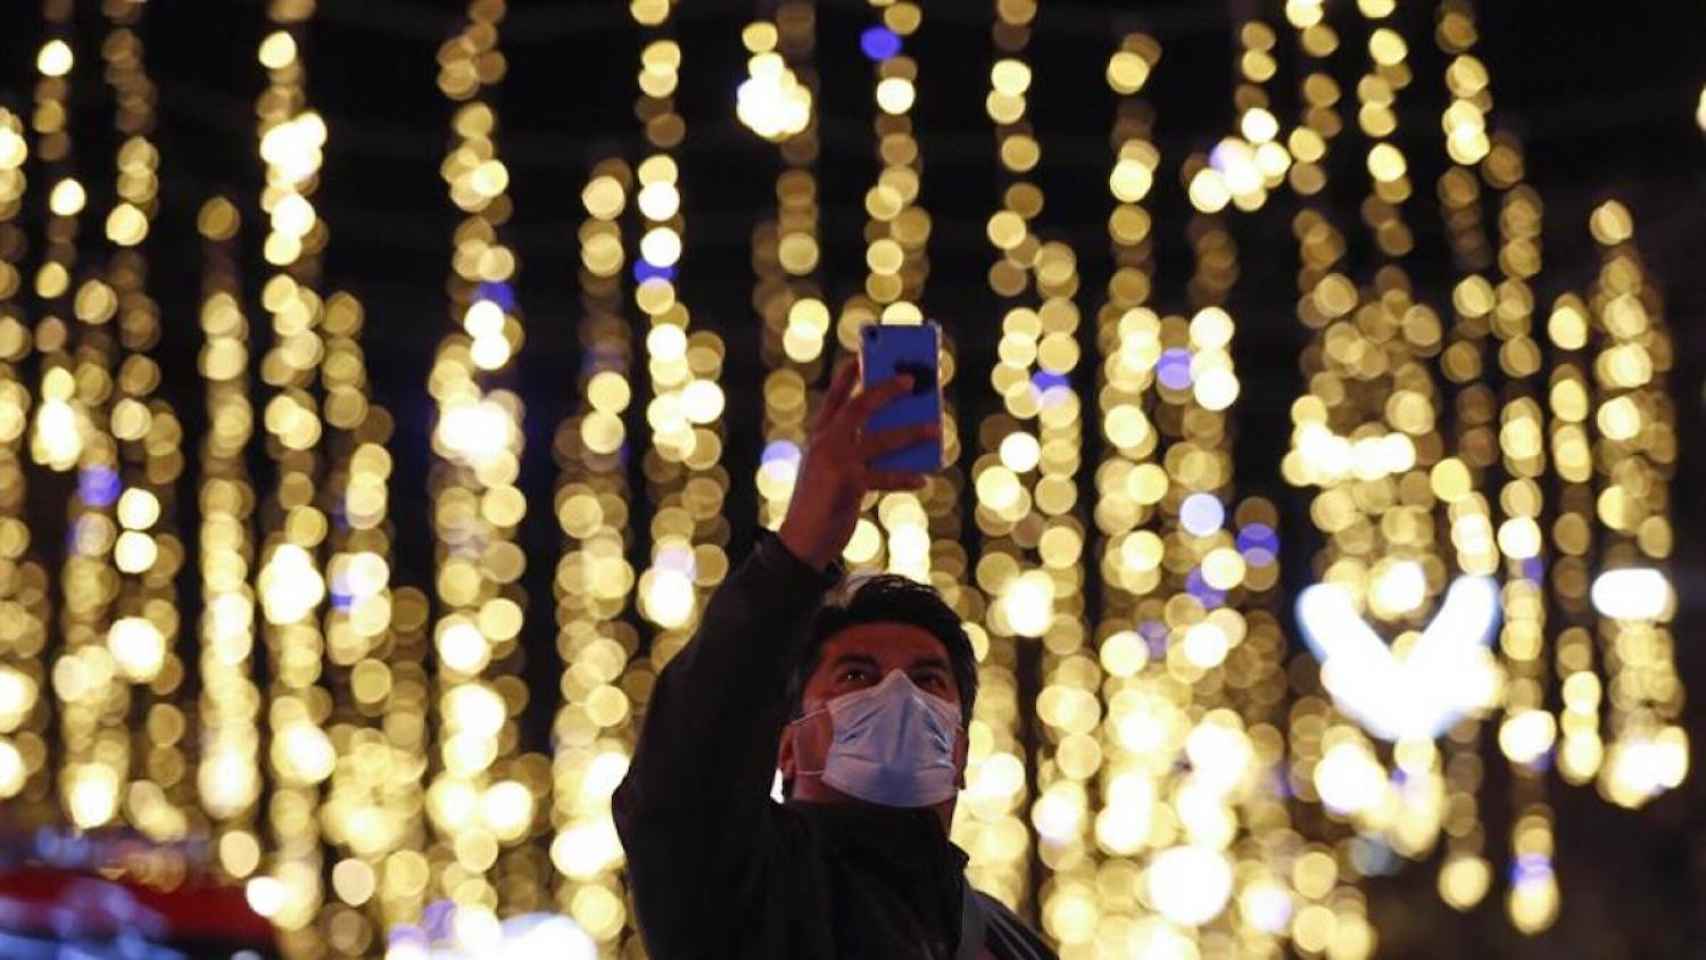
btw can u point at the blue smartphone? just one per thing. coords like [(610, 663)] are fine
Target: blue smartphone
[(887, 351)]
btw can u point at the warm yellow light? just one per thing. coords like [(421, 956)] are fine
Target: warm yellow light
[(1028, 603), (127, 225), (603, 197), (483, 319), (302, 752), (895, 95), (1020, 451), (1258, 125), (1223, 568), (55, 59), (135, 552), (771, 101), (489, 353), (1130, 180), (1127, 72), (137, 647), (1206, 645), (661, 246), (290, 584), (476, 432), (1386, 163), (1189, 885), (13, 774), (138, 509), (67, 198), (490, 178), (667, 597), (1349, 778), (462, 647), (14, 149), (507, 809), (277, 51), (293, 148), (91, 794), (1397, 588), (1208, 191), (659, 200), (1216, 388)]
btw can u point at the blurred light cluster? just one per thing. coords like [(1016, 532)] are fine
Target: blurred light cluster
[(786, 258), (147, 553), (1015, 596), (91, 673), (482, 792), (914, 534), (603, 683), (684, 476), (1621, 396), (1489, 481), (62, 423), (447, 931), (229, 775), (289, 585), (1244, 167), (25, 775), (772, 101)]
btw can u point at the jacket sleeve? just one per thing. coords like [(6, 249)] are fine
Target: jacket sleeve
[(692, 810)]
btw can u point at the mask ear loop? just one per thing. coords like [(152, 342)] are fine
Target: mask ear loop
[(828, 736)]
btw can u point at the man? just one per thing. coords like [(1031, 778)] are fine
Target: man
[(861, 700)]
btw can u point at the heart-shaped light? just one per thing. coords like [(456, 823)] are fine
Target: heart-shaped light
[(1446, 675)]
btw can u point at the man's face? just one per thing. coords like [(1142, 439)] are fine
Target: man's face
[(855, 658)]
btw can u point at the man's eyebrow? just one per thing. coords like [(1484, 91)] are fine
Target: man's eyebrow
[(931, 662), (855, 659)]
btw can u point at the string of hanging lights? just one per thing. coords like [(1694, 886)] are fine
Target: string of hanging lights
[(483, 787)]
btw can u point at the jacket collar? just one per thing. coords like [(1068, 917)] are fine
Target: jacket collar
[(909, 839)]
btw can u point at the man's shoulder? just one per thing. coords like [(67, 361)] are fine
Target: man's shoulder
[(1015, 937)]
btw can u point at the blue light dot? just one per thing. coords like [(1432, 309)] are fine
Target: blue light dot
[(879, 43), (1259, 556), (99, 486), (781, 450), (1534, 568), (1044, 380), (1055, 396), (1530, 868), (1197, 587), (1174, 368), (646, 270), (1258, 536), (498, 292)]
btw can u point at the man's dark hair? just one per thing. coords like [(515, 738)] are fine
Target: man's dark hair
[(886, 598)]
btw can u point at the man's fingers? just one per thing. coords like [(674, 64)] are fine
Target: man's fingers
[(860, 408), (895, 480), (840, 388), (888, 441)]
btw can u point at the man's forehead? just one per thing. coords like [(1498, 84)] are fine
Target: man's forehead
[(883, 641)]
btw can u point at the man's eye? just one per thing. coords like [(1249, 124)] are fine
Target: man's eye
[(933, 680), (854, 673)]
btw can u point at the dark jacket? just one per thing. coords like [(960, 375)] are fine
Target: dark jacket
[(718, 869)]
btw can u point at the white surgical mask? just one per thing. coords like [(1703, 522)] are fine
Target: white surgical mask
[(892, 744)]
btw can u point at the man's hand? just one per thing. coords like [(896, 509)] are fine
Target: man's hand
[(836, 471)]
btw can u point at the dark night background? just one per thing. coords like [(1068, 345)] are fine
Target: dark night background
[(1603, 97)]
